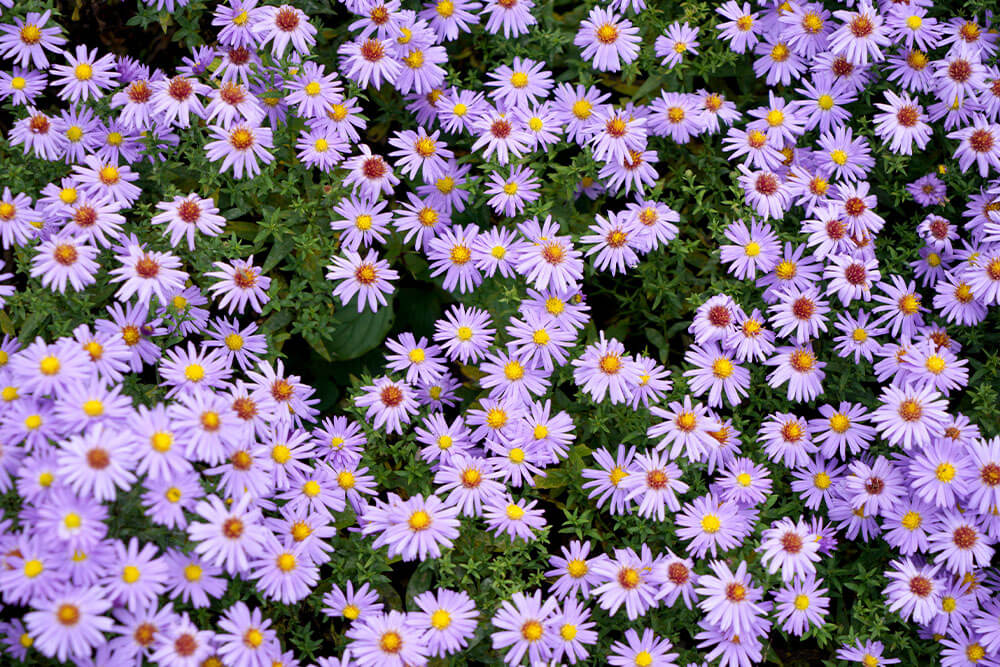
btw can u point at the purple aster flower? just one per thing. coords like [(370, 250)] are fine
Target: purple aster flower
[(522, 84), (516, 519), (524, 625), (800, 311), (607, 40), (742, 29), (513, 16), (146, 272), (240, 146), (85, 75), (907, 524), (802, 605), (869, 653), (861, 35), (389, 403), (282, 26), (392, 639), (69, 625), (352, 604), (960, 543), (451, 254), (655, 482), (913, 590), (709, 526), (799, 367), (22, 86), (137, 576), (510, 194), (370, 173), (730, 599), (449, 618), (229, 535), (744, 482), (368, 278), (910, 415), (677, 115), (902, 124), (857, 336), (575, 570), (606, 483), (716, 373), (788, 439), (985, 485), (420, 152), (27, 39), (636, 650), (470, 483), (686, 428), (65, 259), (421, 72), (464, 333), (37, 133), (366, 60), (805, 28), (625, 580), (415, 528), (677, 41), (777, 63), (764, 192), (551, 260), (789, 546), (240, 283), (604, 369)]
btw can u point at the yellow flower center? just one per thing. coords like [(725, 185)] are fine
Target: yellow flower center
[(840, 423), (576, 568), (710, 523), (722, 368), (286, 562), (420, 520), (945, 472), (514, 512), (49, 365), (440, 619), (33, 568), (911, 520), (513, 370)]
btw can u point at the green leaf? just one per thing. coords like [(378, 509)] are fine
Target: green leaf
[(357, 333), (278, 252)]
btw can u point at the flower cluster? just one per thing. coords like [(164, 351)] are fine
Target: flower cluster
[(170, 403)]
